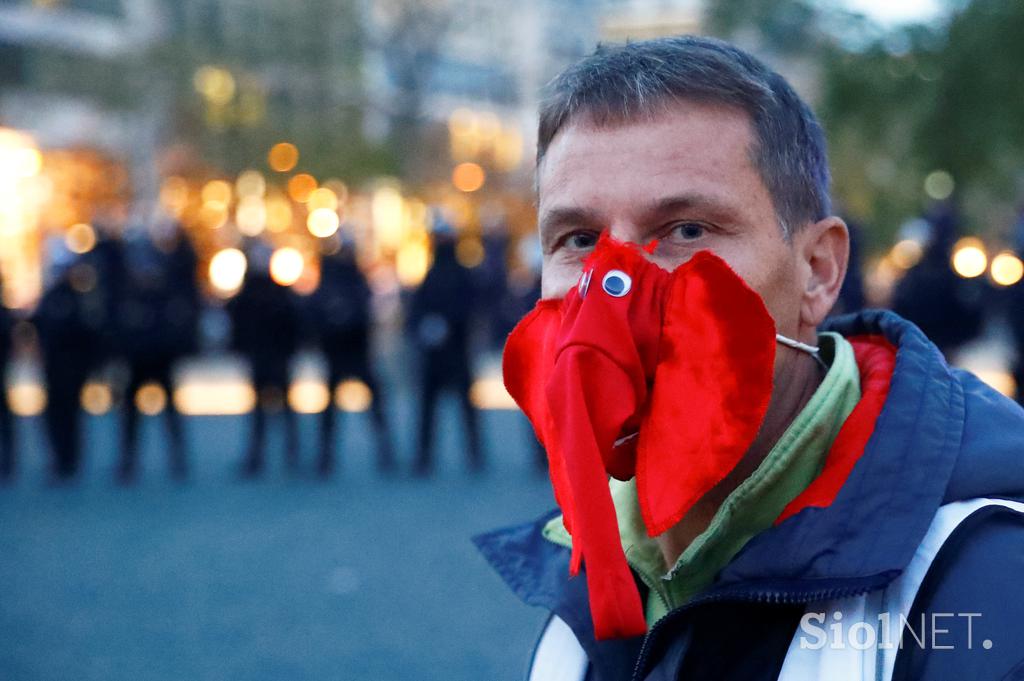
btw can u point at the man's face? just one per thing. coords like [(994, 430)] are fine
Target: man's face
[(685, 178)]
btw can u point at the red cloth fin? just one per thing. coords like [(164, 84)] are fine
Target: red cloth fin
[(711, 388), (527, 364), (876, 360), (588, 414)]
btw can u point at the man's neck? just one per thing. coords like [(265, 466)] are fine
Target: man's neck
[(805, 375)]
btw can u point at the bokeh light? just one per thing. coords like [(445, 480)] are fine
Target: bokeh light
[(969, 259), (412, 262), (227, 270), (301, 186), (308, 396), (283, 156), (251, 216), (217, 85), (217, 191), (286, 265), (1006, 269), (209, 395), (213, 215), (80, 238), (279, 213), (151, 399), (96, 398), (26, 398), (25, 162), (469, 252), (387, 210), (323, 197), (1003, 381), (490, 393), (508, 150), (174, 195), (322, 222), (939, 185), (906, 253), (352, 396), (468, 177), (250, 183)]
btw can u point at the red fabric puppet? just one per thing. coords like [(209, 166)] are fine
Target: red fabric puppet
[(642, 372)]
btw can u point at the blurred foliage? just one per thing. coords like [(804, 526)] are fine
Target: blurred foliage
[(899, 103), (788, 26), (410, 35), (297, 70)]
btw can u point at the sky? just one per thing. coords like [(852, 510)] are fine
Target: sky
[(893, 12)]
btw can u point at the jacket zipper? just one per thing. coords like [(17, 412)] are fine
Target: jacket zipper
[(651, 585), (739, 596)]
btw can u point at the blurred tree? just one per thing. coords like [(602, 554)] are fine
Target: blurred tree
[(974, 127), (899, 103), (295, 74), (923, 98), (782, 26), (410, 36)]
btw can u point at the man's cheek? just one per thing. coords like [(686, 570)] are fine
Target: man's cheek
[(558, 278)]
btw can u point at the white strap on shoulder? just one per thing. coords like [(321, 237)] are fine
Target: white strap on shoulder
[(817, 651), (558, 656)]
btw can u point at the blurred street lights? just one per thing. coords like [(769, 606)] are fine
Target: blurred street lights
[(286, 265), (1006, 269), (969, 259), (283, 157), (227, 271)]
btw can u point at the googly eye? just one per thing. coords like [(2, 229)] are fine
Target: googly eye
[(585, 283), (616, 283)]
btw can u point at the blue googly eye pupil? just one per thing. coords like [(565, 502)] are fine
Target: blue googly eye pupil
[(616, 283)]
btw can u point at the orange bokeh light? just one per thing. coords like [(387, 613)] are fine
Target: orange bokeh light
[(468, 177), (301, 186), (283, 157)]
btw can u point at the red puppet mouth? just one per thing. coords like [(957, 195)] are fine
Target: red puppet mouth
[(641, 372)]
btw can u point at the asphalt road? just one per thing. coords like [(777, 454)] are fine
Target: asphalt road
[(285, 578)]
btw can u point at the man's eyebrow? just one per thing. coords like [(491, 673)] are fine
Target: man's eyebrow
[(712, 206), (573, 216)]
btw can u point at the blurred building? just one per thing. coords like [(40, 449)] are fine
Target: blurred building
[(74, 116), (66, 77), (642, 19), (261, 71), (476, 66)]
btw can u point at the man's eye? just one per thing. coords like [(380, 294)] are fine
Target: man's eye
[(581, 241), (688, 231)]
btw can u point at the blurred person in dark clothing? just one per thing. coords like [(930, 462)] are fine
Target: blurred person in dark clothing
[(948, 308), (1015, 309), (157, 319), (524, 290), (851, 294), (342, 320), (265, 331), (438, 321), (67, 320), (7, 456), (492, 280), (107, 257)]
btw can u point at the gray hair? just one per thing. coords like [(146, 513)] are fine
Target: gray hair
[(621, 83)]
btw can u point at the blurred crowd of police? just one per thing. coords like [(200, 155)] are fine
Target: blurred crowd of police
[(133, 301), (132, 308)]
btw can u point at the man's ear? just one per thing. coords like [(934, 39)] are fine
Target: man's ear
[(824, 248)]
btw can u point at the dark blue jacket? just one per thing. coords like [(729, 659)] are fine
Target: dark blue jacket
[(942, 436)]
